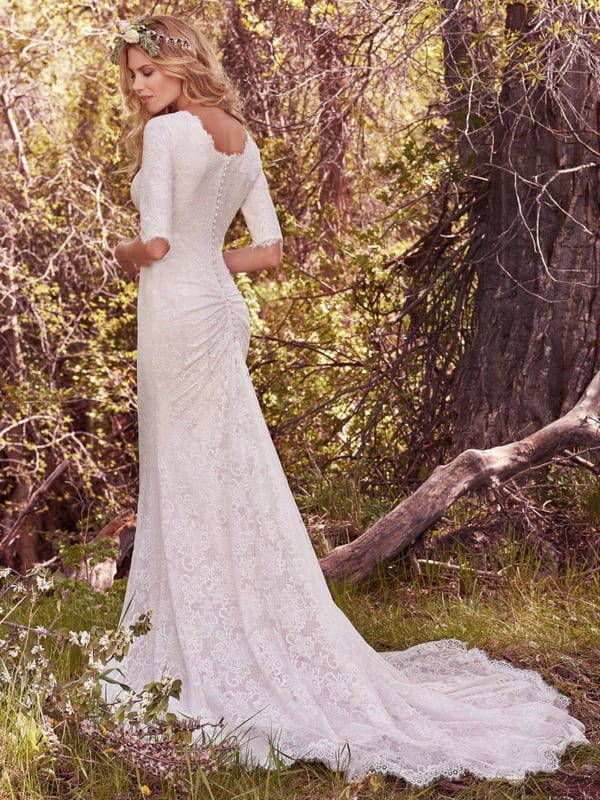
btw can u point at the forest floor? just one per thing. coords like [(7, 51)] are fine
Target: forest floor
[(534, 615)]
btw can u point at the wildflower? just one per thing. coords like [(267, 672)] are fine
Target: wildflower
[(145, 790), (93, 664), (82, 638), (42, 584), (86, 727), (36, 649), (4, 572), (89, 685)]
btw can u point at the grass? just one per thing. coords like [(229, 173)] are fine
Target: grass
[(542, 619)]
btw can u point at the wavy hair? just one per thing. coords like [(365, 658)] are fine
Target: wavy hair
[(202, 76)]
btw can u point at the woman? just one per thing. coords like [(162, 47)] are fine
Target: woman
[(241, 611)]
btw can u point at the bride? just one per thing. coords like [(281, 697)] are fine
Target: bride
[(241, 611)]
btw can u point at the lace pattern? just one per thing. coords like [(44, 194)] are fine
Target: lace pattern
[(242, 613), (156, 177)]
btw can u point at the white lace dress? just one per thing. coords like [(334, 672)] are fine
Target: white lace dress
[(241, 611)]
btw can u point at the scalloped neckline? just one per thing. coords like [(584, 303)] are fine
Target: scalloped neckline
[(208, 135)]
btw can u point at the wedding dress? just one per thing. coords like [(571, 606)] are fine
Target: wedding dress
[(241, 611)]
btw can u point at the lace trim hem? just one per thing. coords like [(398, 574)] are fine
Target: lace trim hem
[(267, 242)]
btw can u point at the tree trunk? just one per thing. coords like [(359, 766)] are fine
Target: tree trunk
[(535, 343), (471, 470)]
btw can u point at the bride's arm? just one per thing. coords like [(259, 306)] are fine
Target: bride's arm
[(259, 212), (131, 254), (155, 201), (251, 259)]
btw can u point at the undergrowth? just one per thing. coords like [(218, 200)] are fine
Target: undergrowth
[(547, 620)]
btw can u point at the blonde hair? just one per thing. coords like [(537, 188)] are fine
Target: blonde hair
[(202, 76)]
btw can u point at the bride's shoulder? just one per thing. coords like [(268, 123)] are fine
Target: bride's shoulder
[(163, 129), (157, 127)]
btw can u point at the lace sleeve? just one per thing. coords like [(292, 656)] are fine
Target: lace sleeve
[(259, 214), (156, 183)]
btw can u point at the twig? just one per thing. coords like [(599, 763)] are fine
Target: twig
[(484, 573), (14, 530)]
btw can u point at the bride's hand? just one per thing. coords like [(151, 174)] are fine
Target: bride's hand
[(132, 269)]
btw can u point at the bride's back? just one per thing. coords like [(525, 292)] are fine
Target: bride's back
[(228, 135)]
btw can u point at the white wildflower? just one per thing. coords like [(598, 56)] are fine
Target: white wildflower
[(93, 663), (82, 638), (36, 649), (89, 685), (145, 699), (13, 652), (4, 572), (68, 707), (42, 584)]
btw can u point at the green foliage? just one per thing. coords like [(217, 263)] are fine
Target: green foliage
[(324, 333), (57, 630), (53, 699)]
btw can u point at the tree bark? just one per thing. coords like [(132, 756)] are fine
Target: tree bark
[(470, 470), (535, 342)]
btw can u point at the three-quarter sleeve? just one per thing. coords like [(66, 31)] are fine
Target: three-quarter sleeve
[(259, 214), (156, 184)]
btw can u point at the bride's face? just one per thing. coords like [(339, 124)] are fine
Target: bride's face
[(155, 89)]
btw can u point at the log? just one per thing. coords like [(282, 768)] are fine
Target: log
[(470, 470)]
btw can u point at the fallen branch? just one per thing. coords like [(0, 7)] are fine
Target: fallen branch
[(469, 471)]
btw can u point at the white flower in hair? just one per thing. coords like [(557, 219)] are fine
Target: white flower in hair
[(131, 36)]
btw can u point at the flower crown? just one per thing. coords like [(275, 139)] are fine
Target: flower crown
[(140, 34)]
